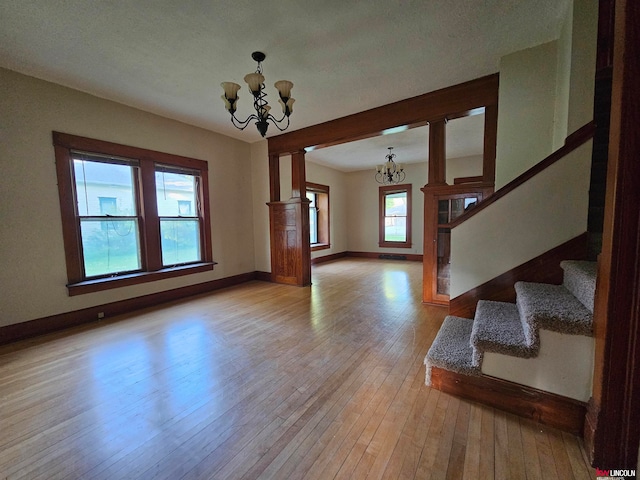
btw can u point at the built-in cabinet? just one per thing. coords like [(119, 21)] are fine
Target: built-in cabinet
[(442, 205)]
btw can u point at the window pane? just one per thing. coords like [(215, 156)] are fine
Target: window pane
[(312, 198), (313, 225), (111, 182), (108, 205), (313, 218), (443, 211), (176, 194), (457, 207), (110, 246), (180, 241), (395, 229), (396, 204)]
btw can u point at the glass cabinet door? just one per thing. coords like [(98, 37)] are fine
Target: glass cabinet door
[(448, 210)]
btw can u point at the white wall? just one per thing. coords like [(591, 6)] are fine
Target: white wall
[(362, 210), (564, 365), (33, 273), (541, 214), (337, 183), (526, 109)]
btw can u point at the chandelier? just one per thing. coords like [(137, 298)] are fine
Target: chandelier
[(390, 172), (255, 81)]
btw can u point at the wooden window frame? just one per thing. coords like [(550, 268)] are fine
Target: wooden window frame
[(382, 193), (322, 201), (150, 248)]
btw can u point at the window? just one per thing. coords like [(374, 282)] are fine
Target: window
[(108, 205), (130, 215), (184, 207), (318, 196), (313, 217), (109, 235), (179, 227), (395, 216)]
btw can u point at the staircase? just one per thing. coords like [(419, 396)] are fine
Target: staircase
[(543, 341)]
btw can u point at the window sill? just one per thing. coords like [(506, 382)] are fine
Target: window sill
[(394, 245), (100, 284), (319, 246)]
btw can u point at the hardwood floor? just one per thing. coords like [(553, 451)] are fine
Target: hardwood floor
[(263, 381)]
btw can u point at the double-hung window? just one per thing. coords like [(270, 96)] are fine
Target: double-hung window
[(176, 192), (130, 215), (107, 213), (395, 216), (318, 196)]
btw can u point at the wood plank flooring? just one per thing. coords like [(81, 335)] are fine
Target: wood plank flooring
[(263, 381)]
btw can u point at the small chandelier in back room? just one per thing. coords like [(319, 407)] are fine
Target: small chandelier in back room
[(391, 172), (255, 81)]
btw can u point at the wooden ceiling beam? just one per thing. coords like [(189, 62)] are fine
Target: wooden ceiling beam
[(451, 102)]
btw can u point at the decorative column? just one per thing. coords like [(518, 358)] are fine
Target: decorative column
[(437, 153), (289, 225)]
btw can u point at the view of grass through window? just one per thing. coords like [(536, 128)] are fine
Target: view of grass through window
[(107, 210), (179, 224), (395, 217)]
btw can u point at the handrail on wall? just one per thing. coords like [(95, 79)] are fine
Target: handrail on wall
[(572, 142)]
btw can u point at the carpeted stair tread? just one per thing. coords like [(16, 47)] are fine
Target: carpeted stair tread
[(497, 328), (580, 280), (552, 307), (451, 349)]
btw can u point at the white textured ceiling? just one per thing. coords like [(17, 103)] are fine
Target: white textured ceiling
[(464, 138), (169, 57)]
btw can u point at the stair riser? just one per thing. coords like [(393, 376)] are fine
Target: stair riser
[(564, 366), (580, 280)]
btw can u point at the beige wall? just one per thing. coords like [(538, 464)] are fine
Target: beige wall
[(362, 210), (563, 83), (33, 273), (583, 62), (463, 167), (260, 191), (337, 206), (548, 210), (576, 69), (526, 109)]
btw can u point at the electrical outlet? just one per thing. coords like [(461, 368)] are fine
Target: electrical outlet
[(100, 315)]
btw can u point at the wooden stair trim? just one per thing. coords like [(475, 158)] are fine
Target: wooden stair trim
[(572, 142), (547, 408), (545, 268)]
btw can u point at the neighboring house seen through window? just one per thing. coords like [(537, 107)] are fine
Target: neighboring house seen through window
[(130, 215)]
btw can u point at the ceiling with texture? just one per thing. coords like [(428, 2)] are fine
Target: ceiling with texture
[(169, 57)]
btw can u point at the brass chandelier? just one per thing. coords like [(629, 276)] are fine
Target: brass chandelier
[(255, 82)]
